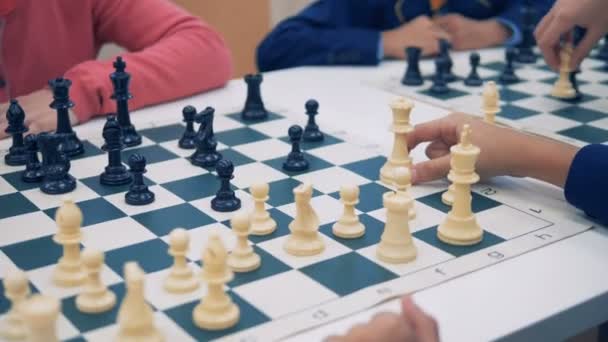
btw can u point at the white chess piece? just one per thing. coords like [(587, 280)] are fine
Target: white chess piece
[(460, 226), (261, 222), (349, 226), (69, 271), (40, 315), (95, 296), (242, 258), (181, 278), (17, 290), (304, 239), (563, 88), (448, 197), (491, 102), (396, 245), (135, 317), (216, 311), (401, 127), (403, 181)]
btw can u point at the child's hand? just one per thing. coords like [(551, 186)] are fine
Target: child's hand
[(470, 34), (39, 117), (420, 32), (412, 325), (503, 151)]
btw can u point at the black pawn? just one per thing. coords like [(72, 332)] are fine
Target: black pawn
[(120, 80), (70, 144), (187, 140), (115, 173), (508, 73), (473, 80), (574, 82), (254, 105), (439, 84), (55, 165), (525, 52), (206, 154), (16, 127), (311, 131), (412, 76), (138, 193), (225, 200), (295, 159), (33, 170), (444, 51)]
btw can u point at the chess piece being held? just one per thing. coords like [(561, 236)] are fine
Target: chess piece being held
[(261, 222), (216, 311), (563, 88), (349, 226), (460, 227), (242, 258)]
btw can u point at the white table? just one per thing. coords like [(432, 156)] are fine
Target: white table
[(548, 294)]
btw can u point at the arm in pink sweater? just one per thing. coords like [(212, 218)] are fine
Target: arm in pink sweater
[(172, 55)]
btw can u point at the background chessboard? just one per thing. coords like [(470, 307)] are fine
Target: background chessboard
[(287, 294), (526, 105)]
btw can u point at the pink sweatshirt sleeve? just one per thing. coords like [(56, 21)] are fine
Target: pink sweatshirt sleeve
[(172, 55)]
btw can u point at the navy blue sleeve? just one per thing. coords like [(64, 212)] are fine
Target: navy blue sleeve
[(329, 32), (587, 183), (511, 16)]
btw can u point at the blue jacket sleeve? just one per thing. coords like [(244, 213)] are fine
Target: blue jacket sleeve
[(587, 184), (511, 16), (329, 32)]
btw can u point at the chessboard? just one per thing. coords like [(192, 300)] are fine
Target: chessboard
[(526, 104), (287, 294)]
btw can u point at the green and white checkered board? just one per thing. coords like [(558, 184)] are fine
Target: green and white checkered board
[(287, 294), (527, 104)]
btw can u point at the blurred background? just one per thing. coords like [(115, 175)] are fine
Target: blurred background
[(242, 23)]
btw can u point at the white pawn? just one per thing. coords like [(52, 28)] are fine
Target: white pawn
[(348, 226), (17, 290), (261, 222), (69, 271), (403, 181), (242, 258), (491, 102), (95, 297), (40, 315), (448, 197), (181, 279), (563, 88)]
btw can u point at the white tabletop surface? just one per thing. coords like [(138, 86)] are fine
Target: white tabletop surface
[(548, 294)]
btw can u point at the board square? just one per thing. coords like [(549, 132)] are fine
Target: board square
[(513, 112), (272, 116), (24, 227), (124, 232), (368, 168), (153, 154), (103, 190), (163, 221), (370, 196), (580, 114), (373, 230), (331, 179), (204, 205), (283, 220), (426, 216), (14, 179), (283, 293), (309, 145), (240, 136), (544, 121), (90, 150), (15, 204), (246, 175), (368, 273), (281, 192), (275, 247), (315, 164), (151, 256), (264, 149), (89, 167), (269, 267), (328, 209), (451, 94), (45, 201), (479, 203), (508, 223), (6, 187), (163, 199), (429, 236), (164, 133), (86, 322), (172, 170), (200, 236), (93, 211), (26, 254), (235, 157), (161, 299), (588, 134), (194, 188), (249, 316)]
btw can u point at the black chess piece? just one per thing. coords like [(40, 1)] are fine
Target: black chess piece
[(412, 76), (254, 105), (439, 84), (525, 53), (138, 193), (33, 169), (187, 140), (311, 131), (121, 79), (574, 82), (70, 144), (444, 51), (15, 117), (473, 80), (115, 173), (225, 200), (295, 159), (603, 51), (206, 154), (507, 76), (55, 165)]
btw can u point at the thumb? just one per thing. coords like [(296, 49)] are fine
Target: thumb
[(425, 327), (430, 170)]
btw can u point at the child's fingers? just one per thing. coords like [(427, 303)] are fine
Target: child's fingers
[(425, 327), (437, 149), (584, 46), (431, 170), (551, 38), (428, 131)]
